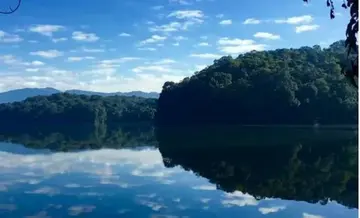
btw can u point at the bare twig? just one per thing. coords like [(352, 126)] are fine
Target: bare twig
[(11, 10)]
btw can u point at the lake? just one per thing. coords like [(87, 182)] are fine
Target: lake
[(142, 171)]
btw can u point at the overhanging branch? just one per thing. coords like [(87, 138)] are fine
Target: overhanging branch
[(12, 10)]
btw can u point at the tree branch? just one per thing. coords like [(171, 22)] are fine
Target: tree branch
[(11, 10)]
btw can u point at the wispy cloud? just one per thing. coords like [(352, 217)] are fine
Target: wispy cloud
[(225, 22), (170, 27), (9, 38), (124, 34), (307, 215), (47, 54), (252, 21), (62, 39), (219, 16), (180, 38), (165, 61), (306, 28), (236, 46), (79, 209), (181, 2), (296, 20), (239, 199), (187, 14), (203, 44), (93, 50), (77, 59), (46, 29), (153, 39), (266, 210), (157, 7), (85, 37), (147, 49), (265, 35), (205, 187), (206, 56)]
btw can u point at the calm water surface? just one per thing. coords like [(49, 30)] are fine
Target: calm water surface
[(168, 172)]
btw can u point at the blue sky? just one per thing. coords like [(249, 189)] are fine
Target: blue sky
[(124, 45)]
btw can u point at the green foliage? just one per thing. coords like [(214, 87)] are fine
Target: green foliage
[(284, 86), (68, 108), (299, 164)]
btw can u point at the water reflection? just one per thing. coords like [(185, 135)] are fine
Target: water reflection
[(122, 180), (295, 164)]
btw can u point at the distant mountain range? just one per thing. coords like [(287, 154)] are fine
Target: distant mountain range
[(22, 94)]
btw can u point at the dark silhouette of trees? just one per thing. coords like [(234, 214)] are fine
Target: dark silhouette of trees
[(67, 108), (283, 86), (299, 164)]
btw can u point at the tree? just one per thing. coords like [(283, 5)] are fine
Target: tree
[(12, 10), (351, 33)]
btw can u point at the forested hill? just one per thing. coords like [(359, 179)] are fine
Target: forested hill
[(283, 86), (67, 108)]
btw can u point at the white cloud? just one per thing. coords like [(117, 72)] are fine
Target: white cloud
[(200, 67), (176, 44), (115, 61), (236, 41), (159, 174), (147, 49), (236, 46), (124, 34), (46, 30), (203, 44), (76, 59), (32, 69), (205, 200), (265, 35), (158, 7), (153, 205), (240, 202), (296, 20), (306, 28), (153, 39), (206, 56), (45, 191), (187, 14), (79, 209), (181, 2), (62, 39), (153, 68), (307, 215), (9, 38), (165, 61), (93, 50), (225, 22), (251, 21), (266, 210), (205, 187), (180, 38), (37, 63), (171, 27), (239, 199), (47, 54), (219, 16), (85, 37)]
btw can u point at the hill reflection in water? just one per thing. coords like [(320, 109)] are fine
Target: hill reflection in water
[(137, 171)]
